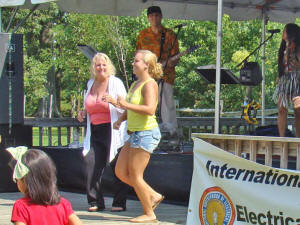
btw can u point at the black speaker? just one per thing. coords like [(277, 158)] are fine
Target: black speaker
[(250, 74), (20, 135), (11, 59)]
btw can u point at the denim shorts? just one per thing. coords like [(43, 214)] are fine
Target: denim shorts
[(146, 139)]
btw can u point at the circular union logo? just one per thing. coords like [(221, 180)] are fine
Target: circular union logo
[(216, 208)]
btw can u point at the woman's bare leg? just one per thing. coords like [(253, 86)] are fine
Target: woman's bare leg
[(137, 163), (297, 121), (121, 168), (122, 172), (282, 119)]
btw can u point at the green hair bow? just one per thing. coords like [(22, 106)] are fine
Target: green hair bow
[(20, 169)]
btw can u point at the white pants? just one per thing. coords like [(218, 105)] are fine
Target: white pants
[(167, 108)]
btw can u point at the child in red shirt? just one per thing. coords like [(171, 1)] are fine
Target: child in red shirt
[(35, 174)]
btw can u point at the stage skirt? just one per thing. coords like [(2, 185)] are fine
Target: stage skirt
[(287, 88)]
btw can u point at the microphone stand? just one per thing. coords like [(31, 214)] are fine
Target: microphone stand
[(261, 44), (248, 97)]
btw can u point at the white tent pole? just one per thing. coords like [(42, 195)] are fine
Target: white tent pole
[(218, 67), (0, 19), (263, 70)]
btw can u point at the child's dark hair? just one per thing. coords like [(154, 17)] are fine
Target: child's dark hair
[(41, 179)]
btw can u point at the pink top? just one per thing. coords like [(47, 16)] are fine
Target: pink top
[(98, 110), (32, 214)]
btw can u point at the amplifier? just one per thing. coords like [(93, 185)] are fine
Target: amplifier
[(250, 74)]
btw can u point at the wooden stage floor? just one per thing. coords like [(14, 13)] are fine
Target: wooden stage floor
[(167, 214)]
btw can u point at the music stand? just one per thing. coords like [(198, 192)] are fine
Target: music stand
[(88, 51), (208, 72)]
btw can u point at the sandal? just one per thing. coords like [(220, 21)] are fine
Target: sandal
[(143, 219), (154, 206), (117, 209), (95, 208)]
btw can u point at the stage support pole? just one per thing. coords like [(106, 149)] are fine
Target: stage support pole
[(218, 67), (263, 57), (0, 19)]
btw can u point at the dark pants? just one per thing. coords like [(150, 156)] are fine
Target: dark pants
[(122, 189), (96, 161)]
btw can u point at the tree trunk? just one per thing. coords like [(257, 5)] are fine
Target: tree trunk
[(42, 110), (53, 90)]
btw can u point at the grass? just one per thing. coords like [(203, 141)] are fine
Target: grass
[(54, 137)]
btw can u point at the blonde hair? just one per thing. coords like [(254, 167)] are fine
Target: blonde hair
[(155, 68), (111, 70)]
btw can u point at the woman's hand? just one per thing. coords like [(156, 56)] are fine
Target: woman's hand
[(122, 102), (117, 124), (296, 101), (111, 100), (81, 115)]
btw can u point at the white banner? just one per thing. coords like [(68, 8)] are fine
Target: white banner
[(227, 189)]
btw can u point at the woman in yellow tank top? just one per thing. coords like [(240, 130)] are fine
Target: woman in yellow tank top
[(140, 105)]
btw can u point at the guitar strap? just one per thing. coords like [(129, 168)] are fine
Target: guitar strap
[(162, 41), (161, 81)]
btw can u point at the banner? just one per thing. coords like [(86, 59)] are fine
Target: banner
[(227, 189)]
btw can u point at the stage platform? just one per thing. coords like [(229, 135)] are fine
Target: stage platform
[(166, 214)]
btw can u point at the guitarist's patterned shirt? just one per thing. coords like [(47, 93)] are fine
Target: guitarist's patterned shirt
[(148, 40)]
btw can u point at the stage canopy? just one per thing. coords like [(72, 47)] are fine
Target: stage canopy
[(276, 10)]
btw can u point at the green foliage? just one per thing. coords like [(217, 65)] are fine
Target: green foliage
[(239, 56)]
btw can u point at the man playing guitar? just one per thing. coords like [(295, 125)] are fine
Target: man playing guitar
[(163, 42)]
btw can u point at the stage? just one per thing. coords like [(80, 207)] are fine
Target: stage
[(166, 214), (169, 174)]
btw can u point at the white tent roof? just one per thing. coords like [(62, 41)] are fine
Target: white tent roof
[(277, 10), (10, 3)]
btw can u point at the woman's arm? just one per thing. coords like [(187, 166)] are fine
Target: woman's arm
[(19, 223), (74, 220), (150, 94), (297, 63), (111, 100), (122, 118), (119, 91), (81, 115)]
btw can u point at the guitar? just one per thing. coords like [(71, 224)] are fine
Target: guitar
[(178, 55)]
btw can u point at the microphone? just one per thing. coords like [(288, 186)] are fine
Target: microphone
[(180, 25), (274, 31)]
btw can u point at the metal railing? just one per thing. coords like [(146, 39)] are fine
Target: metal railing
[(68, 131), (55, 131)]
